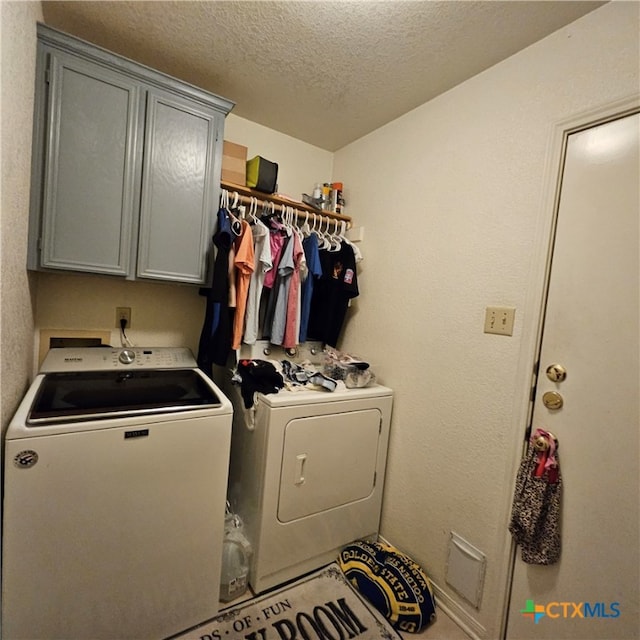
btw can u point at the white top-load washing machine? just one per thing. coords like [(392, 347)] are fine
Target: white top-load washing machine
[(307, 471), (116, 469)]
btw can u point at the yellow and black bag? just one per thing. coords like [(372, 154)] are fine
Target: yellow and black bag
[(262, 175), (392, 582)]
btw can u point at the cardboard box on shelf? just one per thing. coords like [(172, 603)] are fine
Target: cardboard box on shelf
[(234, 163)]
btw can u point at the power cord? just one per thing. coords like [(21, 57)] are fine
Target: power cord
[(124, 341)]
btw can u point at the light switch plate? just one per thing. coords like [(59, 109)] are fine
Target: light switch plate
[(499, 320)]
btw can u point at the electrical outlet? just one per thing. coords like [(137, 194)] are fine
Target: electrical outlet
[(123, 313), (499, 320)]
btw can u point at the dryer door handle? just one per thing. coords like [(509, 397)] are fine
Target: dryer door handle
[(300, 460)]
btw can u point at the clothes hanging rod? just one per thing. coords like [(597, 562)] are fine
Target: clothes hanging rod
[(246, 193)]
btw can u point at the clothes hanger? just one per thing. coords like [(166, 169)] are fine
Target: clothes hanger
[(357, 254), (334, 239), (327, 235), (291, 221), (253, 207), (231, 207), (295, 217), (268, 212), (316, 229), (305, 229), (305, 225), (322, 238), (236, 225), (285, 218)]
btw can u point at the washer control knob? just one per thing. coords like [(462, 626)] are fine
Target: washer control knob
[(127, 356)]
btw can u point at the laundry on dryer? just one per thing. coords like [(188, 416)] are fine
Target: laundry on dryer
[(263, 376), (257, 376), (295, 374), (343, 366)]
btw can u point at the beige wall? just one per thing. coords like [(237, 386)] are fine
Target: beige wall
[(452, 198), (17, 60)]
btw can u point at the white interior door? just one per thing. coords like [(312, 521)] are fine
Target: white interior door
[(591, 329)]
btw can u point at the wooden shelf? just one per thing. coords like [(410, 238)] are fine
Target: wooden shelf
[(245, 194)]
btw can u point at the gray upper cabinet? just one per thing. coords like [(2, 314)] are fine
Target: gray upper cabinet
[(90, 169), (177, 192), (126, 166)]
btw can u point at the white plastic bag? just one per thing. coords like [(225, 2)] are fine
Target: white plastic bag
[(236, 554)]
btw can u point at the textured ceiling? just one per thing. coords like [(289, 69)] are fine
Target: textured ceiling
[(323, 72)]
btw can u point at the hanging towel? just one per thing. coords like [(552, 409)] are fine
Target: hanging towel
[(535, 514)]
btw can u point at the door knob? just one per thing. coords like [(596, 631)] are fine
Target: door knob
[(541, 444), (552, 400), (556, 373)]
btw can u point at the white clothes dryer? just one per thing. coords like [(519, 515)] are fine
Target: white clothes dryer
[(307, 475)]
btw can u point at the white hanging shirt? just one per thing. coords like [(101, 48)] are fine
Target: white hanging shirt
[(262, 252)]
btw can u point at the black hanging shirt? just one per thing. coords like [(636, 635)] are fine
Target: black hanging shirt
[(332, 293)]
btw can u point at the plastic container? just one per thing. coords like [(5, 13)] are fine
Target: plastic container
[(236, 554)]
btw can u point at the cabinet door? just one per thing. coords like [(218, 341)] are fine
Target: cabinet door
[(89, 195), (178, 188)]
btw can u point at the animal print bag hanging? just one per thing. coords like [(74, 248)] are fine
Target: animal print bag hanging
[(535, 514)]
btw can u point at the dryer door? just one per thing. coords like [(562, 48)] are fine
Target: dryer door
[(328, 461)]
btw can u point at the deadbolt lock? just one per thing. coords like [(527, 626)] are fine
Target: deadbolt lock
[(556, 373), (552, 400)]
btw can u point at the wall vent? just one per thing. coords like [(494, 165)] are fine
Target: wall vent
[(465, 569)]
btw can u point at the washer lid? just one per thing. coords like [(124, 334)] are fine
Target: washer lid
[(91, 395)]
